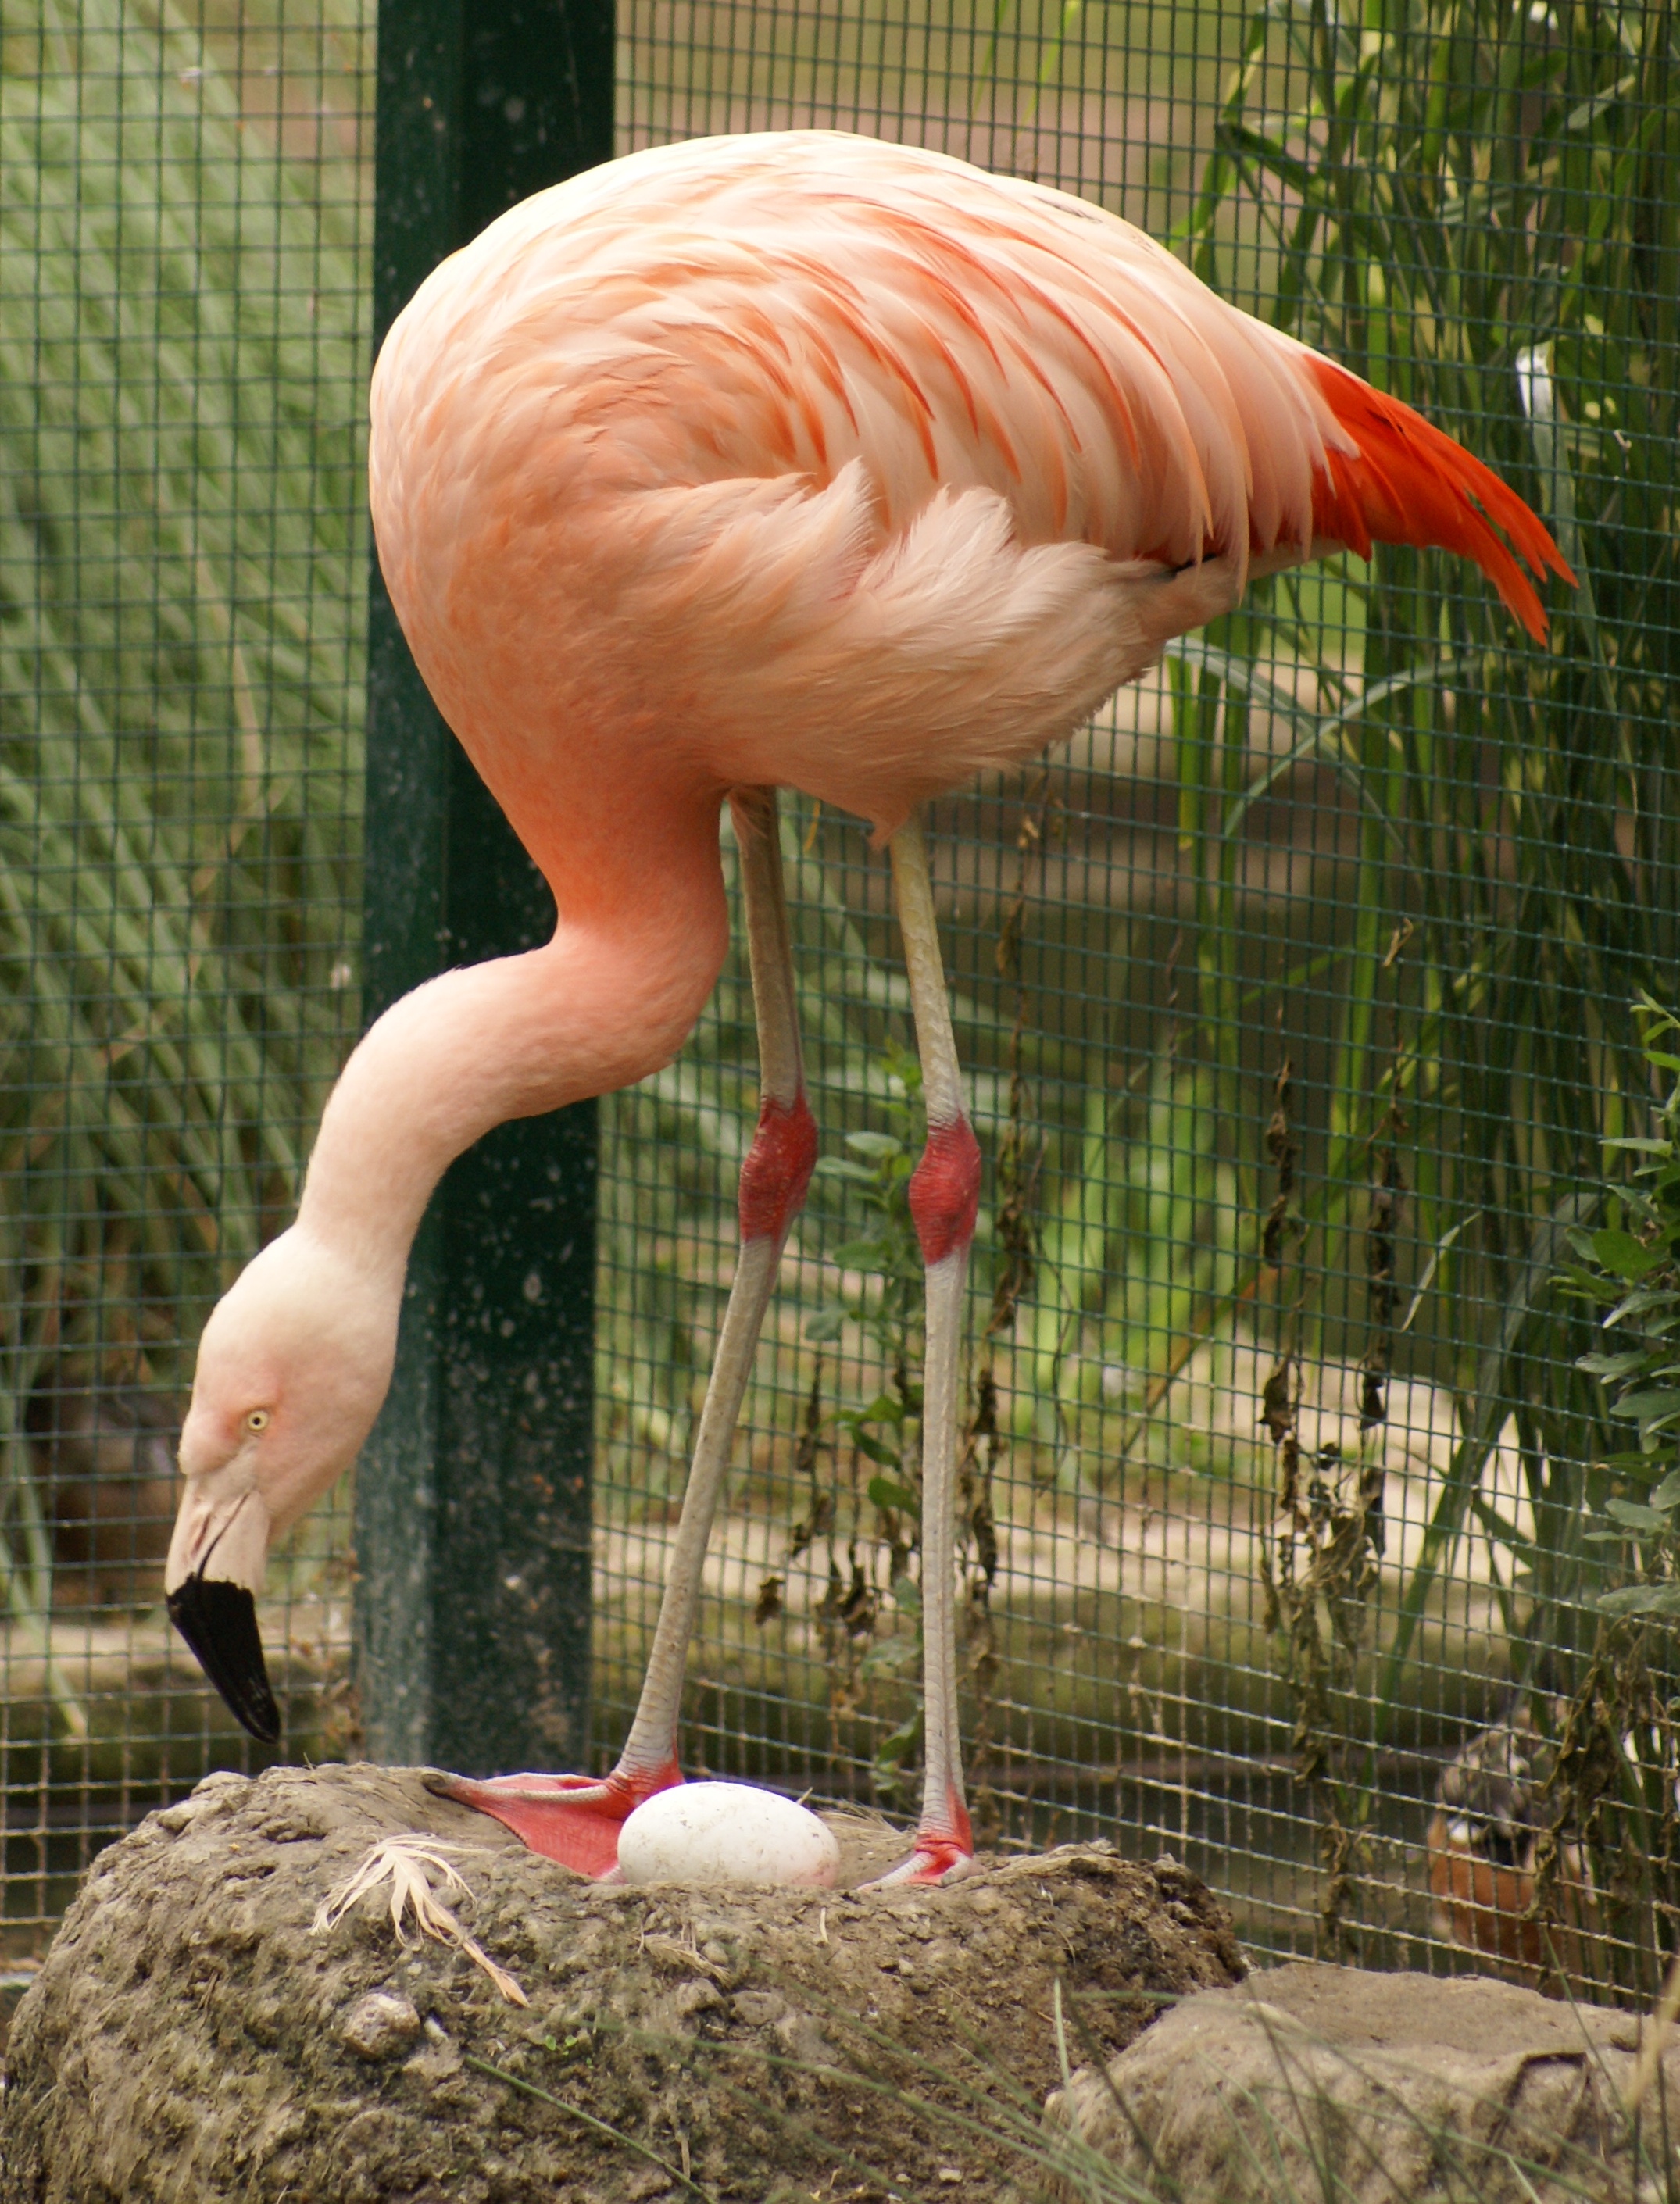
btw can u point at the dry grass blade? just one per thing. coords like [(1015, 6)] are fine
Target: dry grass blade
[(1656, 2031), (407, 1863)]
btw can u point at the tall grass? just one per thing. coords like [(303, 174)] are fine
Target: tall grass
[(181, 351), (1477, 203)]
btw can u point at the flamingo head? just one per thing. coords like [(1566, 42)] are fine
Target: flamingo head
[(292, 1367)]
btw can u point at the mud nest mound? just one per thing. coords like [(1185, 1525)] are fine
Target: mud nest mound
[(190, 2035)]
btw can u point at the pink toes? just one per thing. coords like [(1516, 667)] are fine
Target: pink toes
[(574, 1820)]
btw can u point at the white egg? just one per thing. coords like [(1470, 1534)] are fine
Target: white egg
[(700, 1833)]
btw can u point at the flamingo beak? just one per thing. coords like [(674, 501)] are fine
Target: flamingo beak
[(218, 1620), (216, 1566)]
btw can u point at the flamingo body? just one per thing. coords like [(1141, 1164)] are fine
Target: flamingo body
[(805, 461)]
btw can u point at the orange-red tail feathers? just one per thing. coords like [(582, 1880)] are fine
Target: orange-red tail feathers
[(1408, 483)]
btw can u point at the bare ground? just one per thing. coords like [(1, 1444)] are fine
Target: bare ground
[(189, 2037), (1313, 2080)]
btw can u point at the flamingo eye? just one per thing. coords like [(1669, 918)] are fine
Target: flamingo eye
[(257, 1419)]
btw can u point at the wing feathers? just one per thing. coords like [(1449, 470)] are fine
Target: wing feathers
[(898, 461), (1407, 483)]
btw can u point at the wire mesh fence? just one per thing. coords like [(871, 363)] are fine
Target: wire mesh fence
[(183, 220), (1296, 995)]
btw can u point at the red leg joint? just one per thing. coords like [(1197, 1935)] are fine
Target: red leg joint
[(778, 1168), (945, 1190)]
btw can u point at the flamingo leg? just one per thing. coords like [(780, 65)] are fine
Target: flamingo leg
[(944, 1196), (574, 1819)]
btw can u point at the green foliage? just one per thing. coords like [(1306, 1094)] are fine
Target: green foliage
[(1475, 204), (181, 346), (1650, 1530), (1482, 216), (1477, 209), (887, 1309), (1630, 1269), (1612, 1780)]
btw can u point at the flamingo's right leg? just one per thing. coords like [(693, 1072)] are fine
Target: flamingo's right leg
[(574, 1819), (944, 1197)]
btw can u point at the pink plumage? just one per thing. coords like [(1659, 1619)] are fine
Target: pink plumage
[(905, 466), (748, 463)]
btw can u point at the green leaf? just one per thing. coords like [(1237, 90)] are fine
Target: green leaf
[(1667, 1494), (1610, 1366), (875, 1449), (1620, 1252), (1648, 1409), (908, 1735), (1635, 1517), (859, 1255), (837, 1167), (892, 1752), (887, 1492), (825, 1325), (1642, 1599), (883, 1409), (874, 1144), (906, 1594), (1637, 1303)]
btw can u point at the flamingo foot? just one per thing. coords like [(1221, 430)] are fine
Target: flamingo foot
[(943, 1850), (573, 1820), (936, 1859)]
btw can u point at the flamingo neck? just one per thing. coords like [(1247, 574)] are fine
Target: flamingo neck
[(590, 1011)]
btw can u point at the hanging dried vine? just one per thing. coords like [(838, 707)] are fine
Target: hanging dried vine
[(1019, 1160), (1321, 1562)]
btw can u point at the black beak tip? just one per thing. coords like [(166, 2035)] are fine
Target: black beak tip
[(218, 1620)]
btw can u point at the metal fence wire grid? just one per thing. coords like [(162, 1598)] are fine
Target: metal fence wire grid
[(1318, 1507)]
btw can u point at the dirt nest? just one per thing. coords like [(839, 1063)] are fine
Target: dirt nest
[(189, 2036)]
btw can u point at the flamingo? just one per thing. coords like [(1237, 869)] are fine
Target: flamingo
[(785, 461)]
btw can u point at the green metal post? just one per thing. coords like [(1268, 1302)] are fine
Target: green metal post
[(472, 1494)]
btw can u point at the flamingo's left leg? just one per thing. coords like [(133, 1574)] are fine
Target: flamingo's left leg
[(944, 1197), (572, 1818)]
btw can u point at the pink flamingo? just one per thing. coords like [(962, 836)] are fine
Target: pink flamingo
[(795, 460)]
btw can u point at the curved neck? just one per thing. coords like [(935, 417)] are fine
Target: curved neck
[(590, 1011)]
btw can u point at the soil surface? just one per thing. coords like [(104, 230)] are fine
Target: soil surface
[(190, 2037), (1308, 2081)]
